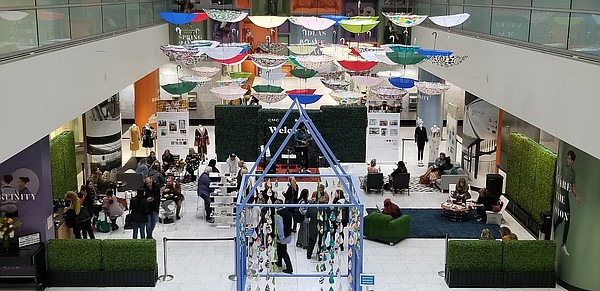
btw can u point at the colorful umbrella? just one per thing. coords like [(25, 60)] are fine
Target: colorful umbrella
[(200, 16), (312, 22), (234, 75), (332, 74), (431, 88), (336, 18), (314, 62), (272, 76), (402, 48), (366, 80), (389, 74), (405, 20), (269, 97), (429, 53), (403, 83), (229, 92), (206, 71), (225, 15), (447, 61), (306, 98), (358, 25), (179, 88), (268, 61), (388, 93), (377, 56), (303, 73), (220, 53), (177, 18), (202, 43), (346, 97), (365, 73), (301, 91), (235, 60), (335, 84), (293, 61), (405, 58), (302, 49), (357, 65), (270, 47), (200, 81), (267, 21), (229, 82), (338, 51), (450, 20), (267, 89)]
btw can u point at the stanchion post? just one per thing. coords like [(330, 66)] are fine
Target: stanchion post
[(232, 277), (165, 276)]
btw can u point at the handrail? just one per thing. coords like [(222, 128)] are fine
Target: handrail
[(168, 277)]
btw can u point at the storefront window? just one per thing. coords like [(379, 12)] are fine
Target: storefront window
[(438, 10), (158, 7), (53, 25), (548, 28), (586, 5), (113, 17), (478, 1), (146, 15), (511, 23), (584, 33), (18, 30), (133, 14), (422, 9), (13, 3), (51, 2), (479, 20), (566, 4), (525, 3), (85, 21)]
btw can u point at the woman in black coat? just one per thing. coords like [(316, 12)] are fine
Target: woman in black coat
[(139, 213)]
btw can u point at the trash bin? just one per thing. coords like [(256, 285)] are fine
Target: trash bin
[(546, 227)]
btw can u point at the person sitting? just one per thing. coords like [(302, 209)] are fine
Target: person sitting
[(104, 183), (192, 162), (168, 160), (390, 208), (512, 236), (486, 234), (112, 208), (233, 164), (400, 169), (505, 233), (204, 192), (372, 167), (425, 178), (486, 202), (461, 193), (172, 191), (151, 158)]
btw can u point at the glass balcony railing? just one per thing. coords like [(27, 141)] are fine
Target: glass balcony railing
[(572, 25), (27, 25)]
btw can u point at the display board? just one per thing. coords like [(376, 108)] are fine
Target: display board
[(383, 138), (172, 120), (451, 143)]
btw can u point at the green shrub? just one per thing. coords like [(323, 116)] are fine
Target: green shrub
[(529, 255), (128, 254), (235, 131), (74, 255), (63, 165), (474, 255), (513, 170)]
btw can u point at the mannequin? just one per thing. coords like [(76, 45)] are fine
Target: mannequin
[(420, 140), (202, 141), (134, 139), (148, 137), (435, 134)]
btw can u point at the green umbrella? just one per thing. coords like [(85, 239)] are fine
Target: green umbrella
[(303, 73), (267, 89), (239, 75), (179, 88), (405, 58), (358, 25)]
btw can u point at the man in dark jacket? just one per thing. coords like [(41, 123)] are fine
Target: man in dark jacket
[(283, 224), (139, 213), (153, 199), (204, 192)]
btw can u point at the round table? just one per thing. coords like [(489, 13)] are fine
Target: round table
[(456, 212)]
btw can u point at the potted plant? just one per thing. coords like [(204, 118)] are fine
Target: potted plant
[(74, 263), (474, 264), (529, 264), (8, 226)]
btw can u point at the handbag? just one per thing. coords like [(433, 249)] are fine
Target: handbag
[(84, 215), (102, 225), (128, 224)]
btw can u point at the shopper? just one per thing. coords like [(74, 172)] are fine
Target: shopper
[(153, 199), (172, 191), (87, 202), (291, 197), (112, 208), (486, 202), (192, 162), (151, 158), (104, 183), (233, 164), (156, 174), (390, 208), (142, 168), (204, 192), (283, 224), (486, 234), (505, 233), (139, 214), (168, 160), (300, 217), (76, 216)]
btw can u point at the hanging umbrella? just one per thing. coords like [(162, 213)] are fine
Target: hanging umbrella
[(429, 53), (179, 88), (338, 51), (450, 20), (267, 21), (243, 45), (234, 61), (177, 18), (225, 15), (388, 93), (389, 74), (306, 98), (200, 16), (220, 53), (268, 61), (229, 92), (358, 25), (366, 80), (336, 18), (377, 56), (403, 48), (235, 75), (431, 88), (357, 65), (293, 61), (206, 71), (272, 76), (405, 58), (301, 91), (447, 61), (267, 89), (312, 22), (271, 47), (200, 81), (332, 74), (405, 20), (335, 84), (303, 73), (230, 82), (202, 43), (346, 97), (403, 83), (269, 97), (301, 49), (314, 62)]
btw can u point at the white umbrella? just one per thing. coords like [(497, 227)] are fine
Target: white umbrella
[(450, 20), (267, 21), (268, 61), (389, 74), (221, 53), (229, 92), (312, 22)]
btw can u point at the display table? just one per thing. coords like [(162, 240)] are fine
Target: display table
[(61, 230), (23, 265), (456, 212)]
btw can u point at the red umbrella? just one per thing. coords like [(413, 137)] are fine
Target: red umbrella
[(354, 52), (200, 16), (357, 65), (301, 91), (235, 60)]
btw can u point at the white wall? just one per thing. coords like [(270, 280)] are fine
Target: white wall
[(41, 93), (557, 94)]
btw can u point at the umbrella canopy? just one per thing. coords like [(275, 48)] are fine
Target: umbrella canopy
[(271, 47), (267, 21), (229, 92), (405, 58), (200, 81), (431, 88), (202, 43), (429, 53), (366, 81), (346, 97), (200, 16), (206, 71), (225, 15), (377, 56), (403, 83), (229, 82), (235, 60), (268, 61), (269, 97), (301, 49), (358, 25), (314, 62), (332, 74), (450, 20), (220, 53), (272, 76), (335, 84), (357, 65), (388, 93), (389, 74), (338, 51), (301, 91), (336, 18), (312, 22), (179, 88), (303, 73), (177, 18), (447, 61), (403, 48), (306, 98), (267, 89), (405, 20)]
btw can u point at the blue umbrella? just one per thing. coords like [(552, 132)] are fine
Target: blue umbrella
[(336, 18), (306, 98), (177, 18), (430, 53), (404, 83)]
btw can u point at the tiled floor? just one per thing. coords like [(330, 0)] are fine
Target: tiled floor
[(412, 264)]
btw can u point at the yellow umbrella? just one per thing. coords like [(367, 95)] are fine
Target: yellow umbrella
[(359, 25), (301, 49), (268, 21)]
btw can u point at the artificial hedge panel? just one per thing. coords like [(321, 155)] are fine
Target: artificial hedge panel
[(128, 254), (528, 175), (74, 255), (513, 165), (63, 164), (544, 183), (344, 130), (529, 256), (467, 255), (235, 131)]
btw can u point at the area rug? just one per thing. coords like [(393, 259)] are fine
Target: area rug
[(428, 223), (414, 186)]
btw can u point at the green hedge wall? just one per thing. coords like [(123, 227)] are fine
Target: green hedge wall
[(242, 129), (128, 254), (74, 255), (63, 164), (468, 255), (530, 175), (529, 256)]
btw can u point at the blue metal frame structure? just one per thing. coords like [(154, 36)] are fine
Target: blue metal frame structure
[(349, 184)]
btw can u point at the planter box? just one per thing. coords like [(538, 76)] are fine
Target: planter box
[(459, 279), (130, 278), (102, 278), (75, 278), (530, 279)]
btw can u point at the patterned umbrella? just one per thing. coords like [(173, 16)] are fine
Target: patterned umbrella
[(303, 73), (271, 47), (405, 20), (225, 15), (358, 25), (332, 74), (267, 21), (450, 20), (388, 93), (179, 88), (229, 92), (312, 22), (235, 60), (302, 49), (177, 18), (431, 88), (206, 71), (267, 89), (346, 97), (269, 97), (447, 61), (314, 62), (229, 82), (335, 84), (268, 61)]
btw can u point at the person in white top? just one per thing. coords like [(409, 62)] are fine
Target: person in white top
[(233, 164)]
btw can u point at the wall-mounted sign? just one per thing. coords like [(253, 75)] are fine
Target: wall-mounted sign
[(30, 239)]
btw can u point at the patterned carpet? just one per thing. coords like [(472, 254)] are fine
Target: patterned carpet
[(414, 186)]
